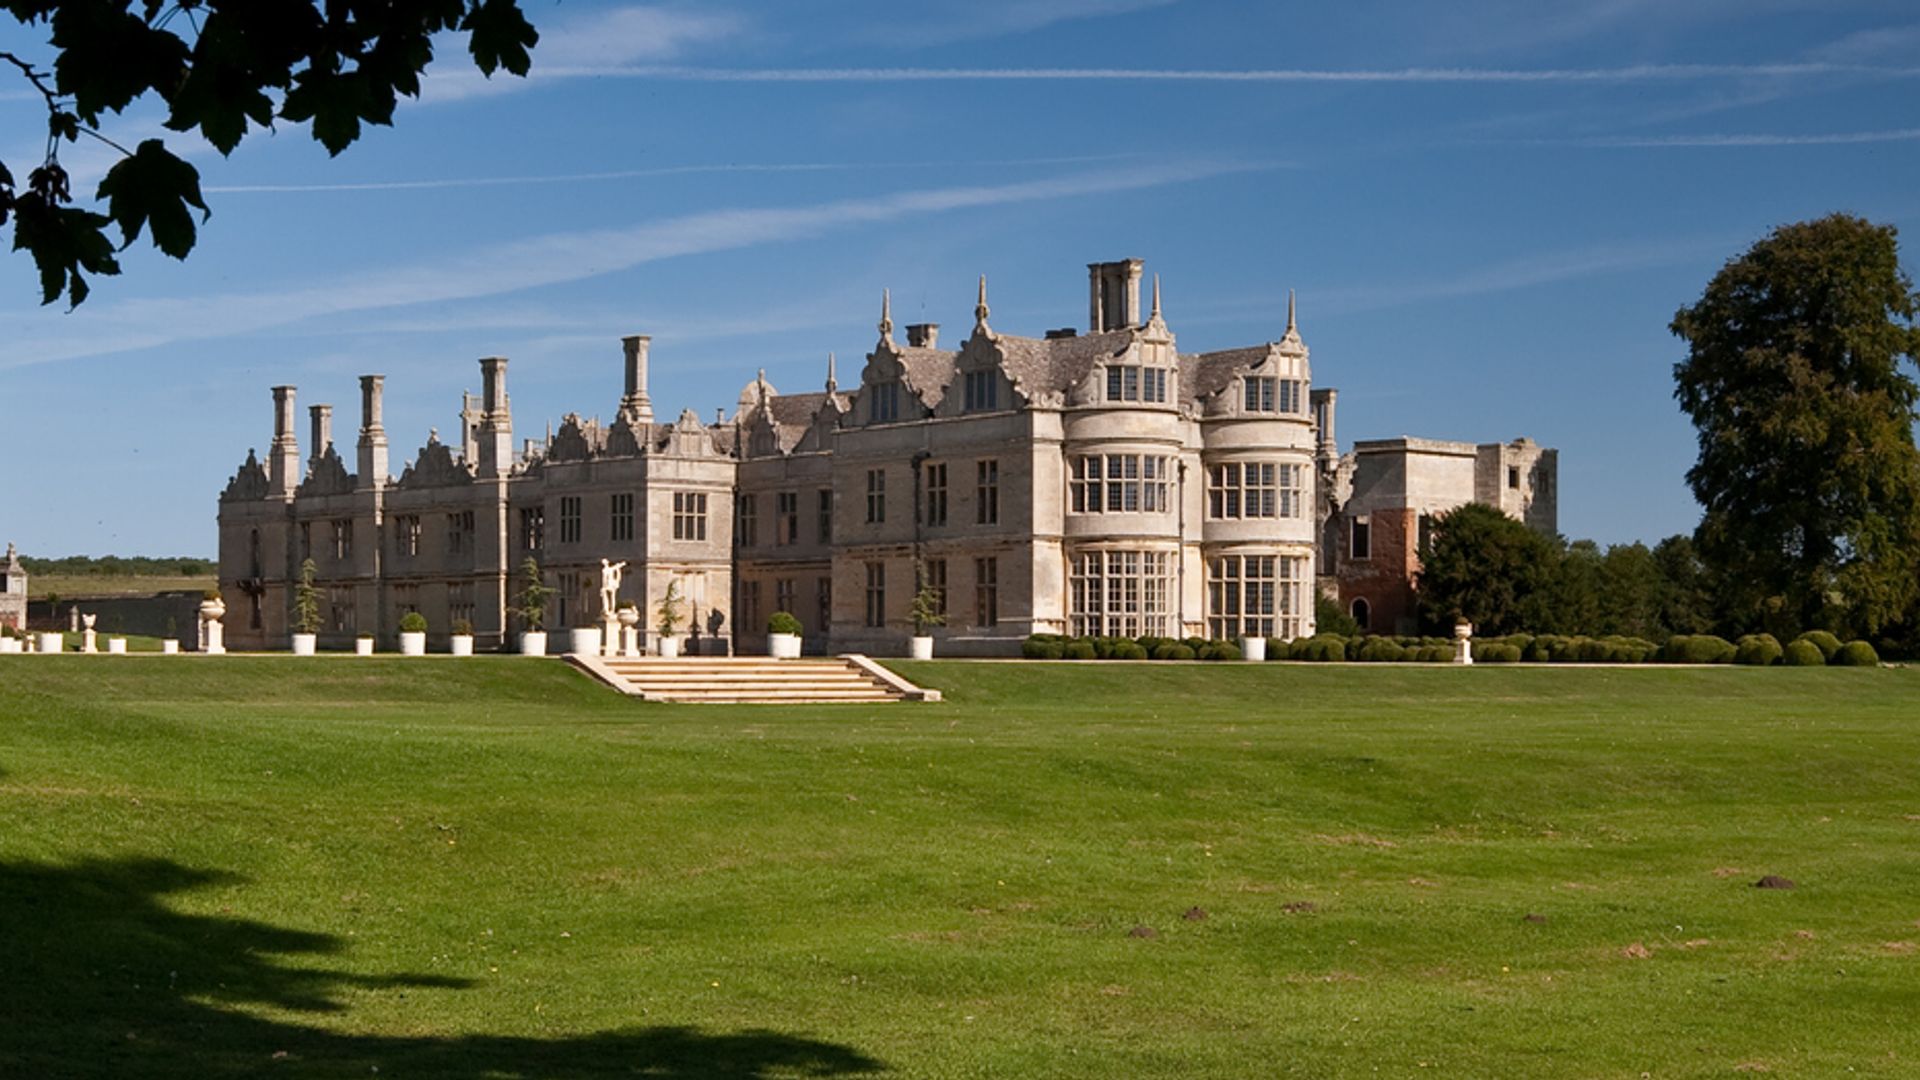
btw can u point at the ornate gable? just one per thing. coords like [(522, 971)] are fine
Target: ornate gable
[(577, 440), (435, 467), (250, 482), (329, 476)]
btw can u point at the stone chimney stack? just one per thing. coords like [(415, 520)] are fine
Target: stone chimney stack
[(924, 335), (496, 419), (1114, 295), (635, 405), (373, 434), (1324, 402), (283, 460), (322, 431)]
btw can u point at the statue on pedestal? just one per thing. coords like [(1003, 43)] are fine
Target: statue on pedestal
[(87, 644)]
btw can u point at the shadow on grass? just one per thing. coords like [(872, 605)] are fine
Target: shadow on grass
[(98, 977)]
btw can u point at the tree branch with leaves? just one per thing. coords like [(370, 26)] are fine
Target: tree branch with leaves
[(223, 69)]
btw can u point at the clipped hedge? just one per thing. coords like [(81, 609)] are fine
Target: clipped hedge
[(1822, 640), (1855, 654), (1497, 653), (1757, 650), (1079, 649), (1698, 649), (1173, 650), (1802, 653)]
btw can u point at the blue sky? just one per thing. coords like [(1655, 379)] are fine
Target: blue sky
[(1490, 210)]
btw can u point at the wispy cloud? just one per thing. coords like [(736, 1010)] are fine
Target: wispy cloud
[(1638, 73), (665, 170), (1740, 139), (543, 260), (615, 37), (997, 18)]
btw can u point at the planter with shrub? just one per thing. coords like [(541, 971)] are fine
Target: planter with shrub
[(413, 634), (306, 612), (532, 607), (461, 643), (783, 636)]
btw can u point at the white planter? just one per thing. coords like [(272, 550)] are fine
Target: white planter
[(363, 646), (170, 647), (670, 645), (50, 643), (461, 644), (304, 644), (533, 643), (784, 646), (922, 647), (9, 644), (584, 640), (1253, 648), (116, 646), (413, 643)]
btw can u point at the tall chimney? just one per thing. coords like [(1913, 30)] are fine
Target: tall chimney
[(1114, 295), (283, 460), (925, 335), (635, 405), (496, 419), (373, 435), (322, 431)]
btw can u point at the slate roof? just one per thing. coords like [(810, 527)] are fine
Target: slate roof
[(1054, 365), (1206, 374)]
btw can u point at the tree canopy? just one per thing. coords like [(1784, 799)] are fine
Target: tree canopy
[(223, 68), (1487, 568), (1807, 469)]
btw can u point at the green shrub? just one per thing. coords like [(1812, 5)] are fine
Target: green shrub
[(1128, 650), (1381, 651), (1586, 650), (1079, 649), (783, 622), (1546, 649), (1757, 650), (1151, 642), (1825, 642), (1698, 649), (1855, 654), (1043, 647), (462, 628), (1279, 648), (1802, 653), (1497, 653), (1218, 650), (1434, 654), (1173, 650), (413, 623)]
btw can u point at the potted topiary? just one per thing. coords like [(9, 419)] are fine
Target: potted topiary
[(306, 612), (533, 608), (363, 643), (413, 634), (926, 614), (668, 619), (461, 643), (783, 636)]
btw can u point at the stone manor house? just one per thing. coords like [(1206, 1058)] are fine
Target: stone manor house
[(1096, 482)]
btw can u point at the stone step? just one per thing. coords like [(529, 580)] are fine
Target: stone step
[(752, 680)]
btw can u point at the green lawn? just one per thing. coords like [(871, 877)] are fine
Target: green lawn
[(223, 867)]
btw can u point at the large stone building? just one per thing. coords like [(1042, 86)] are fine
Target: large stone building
[(1088, 483)]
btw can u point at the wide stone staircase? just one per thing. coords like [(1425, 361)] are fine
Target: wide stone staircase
[(738, 680)]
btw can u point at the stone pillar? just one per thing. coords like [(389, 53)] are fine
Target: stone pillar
[(1463, 642), (373, 434), (635, 405), (322, 431), (496, 419), (212, 636), (88, 643), (283, 458)]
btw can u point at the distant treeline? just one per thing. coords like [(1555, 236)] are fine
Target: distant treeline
[(120, 566)]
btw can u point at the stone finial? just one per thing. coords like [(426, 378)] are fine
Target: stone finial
[(1156, 298), (980, 307), (833, 384), (886, 315)]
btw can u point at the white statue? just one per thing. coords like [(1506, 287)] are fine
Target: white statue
[(87, 644), (610, 585)]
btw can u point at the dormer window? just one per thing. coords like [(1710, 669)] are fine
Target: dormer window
[(1266, 394), (1132, 382), (886, 402), (982, 391)]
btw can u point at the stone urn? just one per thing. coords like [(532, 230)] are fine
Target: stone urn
[(1463, 642), (212, 635), (629, 618)]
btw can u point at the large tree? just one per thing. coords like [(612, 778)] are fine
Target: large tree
[(1807, 471), (222, 68), (1486, 567)]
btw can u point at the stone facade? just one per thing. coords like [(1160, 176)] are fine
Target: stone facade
[(13, 592), (1383, 497), (1089, 483)]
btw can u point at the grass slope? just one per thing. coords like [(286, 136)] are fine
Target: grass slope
[(493, 868)]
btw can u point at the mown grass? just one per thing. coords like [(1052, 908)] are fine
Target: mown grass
[(494, 868)]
